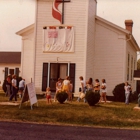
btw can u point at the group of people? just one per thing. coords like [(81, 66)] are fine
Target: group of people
[(13, 86), (90, 86), (67, 86), (61, 85)]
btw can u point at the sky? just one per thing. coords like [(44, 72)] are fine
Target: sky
[(14, 16), (117, 11), (18, 14)]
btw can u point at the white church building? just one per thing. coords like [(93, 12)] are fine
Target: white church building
[(70, 39)]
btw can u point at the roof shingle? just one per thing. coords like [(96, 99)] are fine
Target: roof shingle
[(10, 57)]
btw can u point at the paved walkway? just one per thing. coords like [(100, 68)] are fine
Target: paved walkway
[(28, 131)]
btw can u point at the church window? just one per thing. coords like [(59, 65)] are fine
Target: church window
[(131, 68), (128, 65)]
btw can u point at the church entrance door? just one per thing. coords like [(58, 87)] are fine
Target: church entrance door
[(52, 71), (57, 70)]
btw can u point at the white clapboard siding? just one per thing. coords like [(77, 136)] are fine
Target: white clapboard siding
[(76, 12), (90, 39), (112, 46), (109, 56), (27, 68), (133, 55)]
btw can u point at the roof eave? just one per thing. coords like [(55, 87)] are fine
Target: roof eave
[(133, 41), (128, 33), (112, 25), (25, 30)]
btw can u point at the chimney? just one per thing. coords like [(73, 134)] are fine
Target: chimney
[(129, 25)]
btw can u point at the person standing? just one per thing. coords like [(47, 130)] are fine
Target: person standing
[(82, 88), (89, 85), (21, 87), (127, 89), (48, 95), (58, 87), (8, 85), (97, 86), (14, 88), (103, 90), (66, 86), (71, 89)]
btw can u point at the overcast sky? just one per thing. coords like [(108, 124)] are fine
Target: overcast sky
[(17, 14), (117, 11), (14, 16)]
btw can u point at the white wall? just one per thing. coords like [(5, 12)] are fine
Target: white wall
[(27, 68), (133, 55), (76, 12), (109, 56), (89, 67)]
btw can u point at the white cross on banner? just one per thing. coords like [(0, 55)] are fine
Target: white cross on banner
[(58, 40)]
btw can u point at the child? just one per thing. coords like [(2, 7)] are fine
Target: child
[(48, 95), (103, 90)]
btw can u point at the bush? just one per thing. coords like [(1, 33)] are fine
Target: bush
[(134, 96), (61, 96), (4, 86), (119, 93), (92, 97)]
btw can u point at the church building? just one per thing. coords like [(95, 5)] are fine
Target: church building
[(68, 38)]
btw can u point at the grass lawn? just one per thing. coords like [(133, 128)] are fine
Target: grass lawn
[(103, 115)]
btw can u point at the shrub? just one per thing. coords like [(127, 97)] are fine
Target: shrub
[(134, 96), (61, 96), (4, 86), (92, 97), (119, 92)]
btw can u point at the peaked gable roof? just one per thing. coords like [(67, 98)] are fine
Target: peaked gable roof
[(112, 25), (26, 29), (10, 57), (128, 33)]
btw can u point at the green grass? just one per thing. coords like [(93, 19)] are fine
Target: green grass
[(104, 115)]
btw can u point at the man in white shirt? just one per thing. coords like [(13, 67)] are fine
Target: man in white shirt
[(14, 88)]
